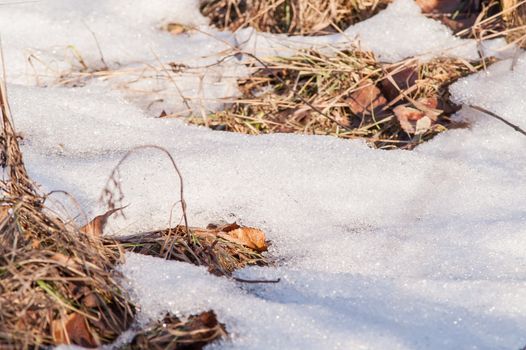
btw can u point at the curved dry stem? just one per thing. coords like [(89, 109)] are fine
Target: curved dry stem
[(113, 179)]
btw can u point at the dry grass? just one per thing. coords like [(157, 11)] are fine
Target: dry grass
[(311, 17), (304, 17), (289, 94), (514, 13), (347, 94), (500, 19), (199, 247), (56, 284), (171, 333), (52, 278)]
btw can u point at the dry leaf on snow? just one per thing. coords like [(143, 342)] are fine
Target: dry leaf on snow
[(176, 28), (96, 226), (250, 237)]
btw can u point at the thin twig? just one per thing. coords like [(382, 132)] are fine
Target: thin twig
[(491, 114), (237, 279), (113, 179), (97, 43)]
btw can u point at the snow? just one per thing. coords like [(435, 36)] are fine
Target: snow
[(375, 249), (495, 89)]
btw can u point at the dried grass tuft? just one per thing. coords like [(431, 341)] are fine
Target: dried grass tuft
[(475, 19), (171, 333), (56, 284), (500, 19), (304, 17), (514, 14), (347, 94), (202, 247)]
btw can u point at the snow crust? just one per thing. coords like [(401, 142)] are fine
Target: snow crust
[(498, 90), (375, 249)]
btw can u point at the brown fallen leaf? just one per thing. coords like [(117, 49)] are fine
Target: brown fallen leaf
[(401, 80), (456, 25), (96, 226), (301, 113), (176, 28), (408, 113), (429, 105), (367, 100), (223, 226), (35, 244), (172, 333), (412, 120), (73, 329), (248, 236), (430, 102), (91, 300), (438, 6), (4, 212)]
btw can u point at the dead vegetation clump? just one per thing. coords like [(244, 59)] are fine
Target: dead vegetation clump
[(514, 13), (222, 249), (349, 94), (303, 17), (499, 19), (171, 333), (57, 285)]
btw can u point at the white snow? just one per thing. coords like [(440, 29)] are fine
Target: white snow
[(499, 90), (375, 249)]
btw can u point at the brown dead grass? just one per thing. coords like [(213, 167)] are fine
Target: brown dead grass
[(500, 19), (349, 94), (474, 19), (56, 285), (514, 14), (304, 17), (203, 247), (311, 17), (171, 333)]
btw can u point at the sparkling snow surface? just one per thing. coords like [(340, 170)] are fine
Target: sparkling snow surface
[(375, 249)]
